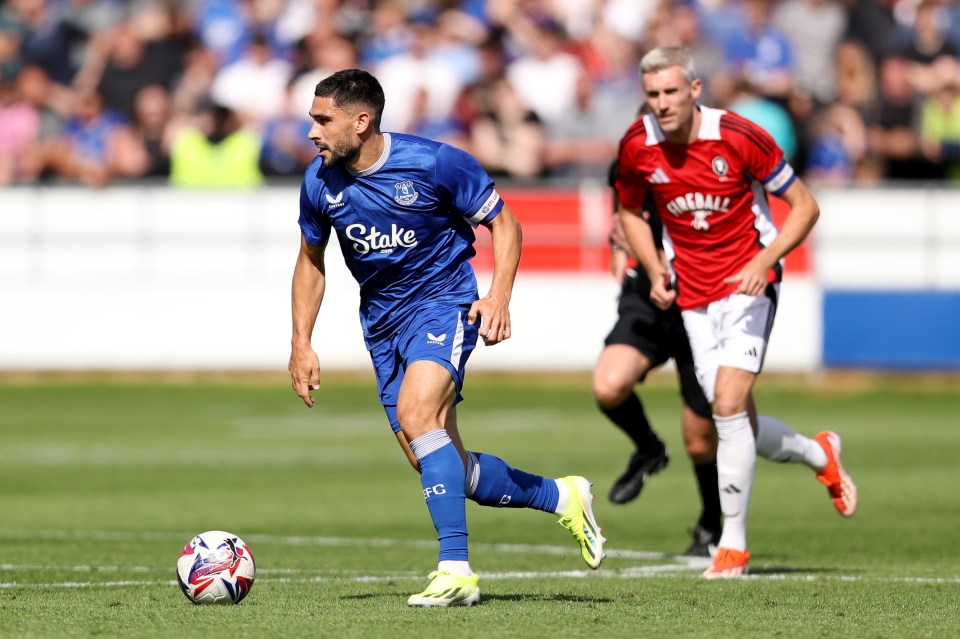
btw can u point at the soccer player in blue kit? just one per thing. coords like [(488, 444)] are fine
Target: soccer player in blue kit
[(404, 210)]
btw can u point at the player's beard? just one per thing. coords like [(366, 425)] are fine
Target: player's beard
[(341, 154)]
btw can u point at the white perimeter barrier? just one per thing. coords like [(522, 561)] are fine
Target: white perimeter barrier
[(151, 277)]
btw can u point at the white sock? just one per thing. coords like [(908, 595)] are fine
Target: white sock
[(456, 567), (736, 458), (564, 497), (778, 442)]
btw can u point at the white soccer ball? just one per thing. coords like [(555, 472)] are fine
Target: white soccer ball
[(216, 567)]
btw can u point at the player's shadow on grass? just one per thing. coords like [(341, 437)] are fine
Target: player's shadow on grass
[(554, 598), (795, 570), (491, 598)]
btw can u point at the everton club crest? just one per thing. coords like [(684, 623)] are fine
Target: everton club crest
[(405, 193)]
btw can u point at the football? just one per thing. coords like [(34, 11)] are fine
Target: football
[(216, 567)]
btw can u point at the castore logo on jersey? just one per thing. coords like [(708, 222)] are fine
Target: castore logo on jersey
[(335, 202)]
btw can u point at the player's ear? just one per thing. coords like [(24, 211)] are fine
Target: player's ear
[(362, 122), (696, 88)]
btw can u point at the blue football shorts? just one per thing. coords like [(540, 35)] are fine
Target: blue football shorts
[(437, 333)]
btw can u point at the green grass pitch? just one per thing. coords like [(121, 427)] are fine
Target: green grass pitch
[(104, 478)]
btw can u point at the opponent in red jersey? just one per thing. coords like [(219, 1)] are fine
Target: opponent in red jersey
[(707, 170), (706, 190)]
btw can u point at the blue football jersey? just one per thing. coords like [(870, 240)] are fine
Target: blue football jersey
[(405, 225)]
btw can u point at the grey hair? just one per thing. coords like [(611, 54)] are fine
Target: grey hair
[(662, 58)]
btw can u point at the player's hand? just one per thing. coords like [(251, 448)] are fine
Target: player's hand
[(751, 280), (304, 370), (662, 294), (494, 315)]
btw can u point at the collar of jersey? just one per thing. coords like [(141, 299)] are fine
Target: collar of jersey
[(387, 143), (709, 126)]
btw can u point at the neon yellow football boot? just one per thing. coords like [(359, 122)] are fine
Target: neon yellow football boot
[(448, 589), (579, 520)]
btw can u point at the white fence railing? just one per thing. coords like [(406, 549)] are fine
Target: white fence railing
[(158, 278)]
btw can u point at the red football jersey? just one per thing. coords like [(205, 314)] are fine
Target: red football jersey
[(709, 194)]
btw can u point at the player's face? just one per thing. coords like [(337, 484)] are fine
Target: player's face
[(334, 132), (672, 99)]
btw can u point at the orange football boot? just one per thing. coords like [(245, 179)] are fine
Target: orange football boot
[(843, 492), (728, 564)]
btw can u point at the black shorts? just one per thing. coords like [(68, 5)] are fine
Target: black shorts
[(660, 336)]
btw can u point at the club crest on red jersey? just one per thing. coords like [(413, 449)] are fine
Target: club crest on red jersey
[(720, 166)]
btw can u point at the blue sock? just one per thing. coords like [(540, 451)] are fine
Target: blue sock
[(491, 482), (442, 476)]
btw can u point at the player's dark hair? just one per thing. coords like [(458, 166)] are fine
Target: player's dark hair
[(354, 87)]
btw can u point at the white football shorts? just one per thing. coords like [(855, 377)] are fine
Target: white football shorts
[(733, 331)]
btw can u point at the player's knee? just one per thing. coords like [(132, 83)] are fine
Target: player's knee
[(701, 449), (728, 406), (610, 390), (415, 420), (699, 437)]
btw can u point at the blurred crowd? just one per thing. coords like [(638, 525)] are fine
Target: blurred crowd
[(216, 92)]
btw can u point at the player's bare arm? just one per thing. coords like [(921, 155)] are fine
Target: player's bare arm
[(494, 307), (620, 251), (804, 212), (640, 238), (309, 282)]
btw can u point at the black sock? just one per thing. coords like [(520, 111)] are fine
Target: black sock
[(709, 487), (631, 419)]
